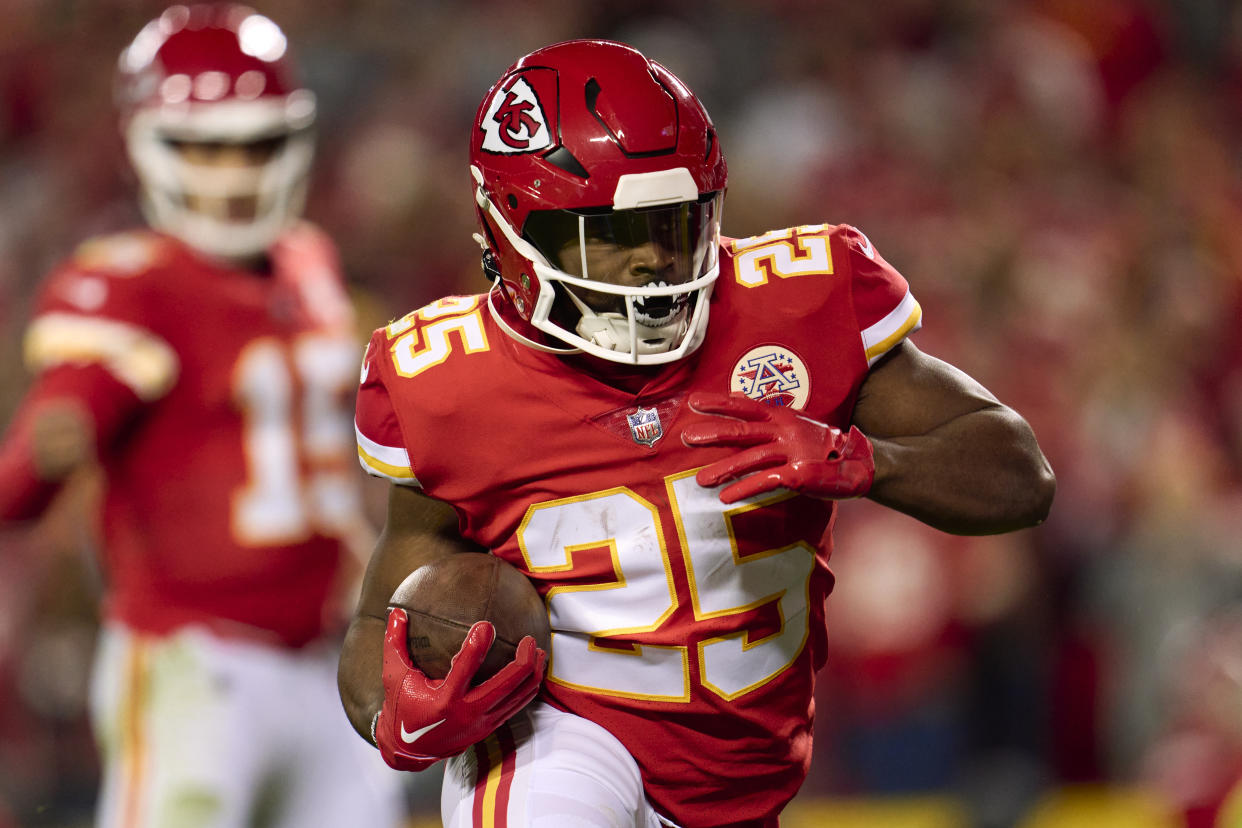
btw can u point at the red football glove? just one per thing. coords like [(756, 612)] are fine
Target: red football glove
[(424, 720), (785, 450)]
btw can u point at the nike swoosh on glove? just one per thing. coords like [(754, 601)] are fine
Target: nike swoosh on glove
[(425, 720), (780, 449)]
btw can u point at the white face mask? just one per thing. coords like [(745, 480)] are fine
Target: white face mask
[(170, 182), (654, 322), (625, 285)]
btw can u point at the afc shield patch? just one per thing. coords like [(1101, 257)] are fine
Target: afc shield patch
[(645, 426), (773, 375), (517, 119)]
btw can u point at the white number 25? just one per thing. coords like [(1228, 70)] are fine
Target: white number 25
[(641, 595)]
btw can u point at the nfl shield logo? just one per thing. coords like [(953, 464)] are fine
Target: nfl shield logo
[(645, 426)]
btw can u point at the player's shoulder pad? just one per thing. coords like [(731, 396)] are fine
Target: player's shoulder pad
[(308, 243), (854, 240), (435, 334), (110, 275), (781, 234), (779, 257), (126, 254), (96, 307), (306, 229), (884, 306)]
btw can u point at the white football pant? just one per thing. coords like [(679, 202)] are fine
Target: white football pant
[(205, 732), (545, 768)]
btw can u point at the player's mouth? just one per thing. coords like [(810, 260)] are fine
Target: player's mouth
[(224, 208), (658, 311)]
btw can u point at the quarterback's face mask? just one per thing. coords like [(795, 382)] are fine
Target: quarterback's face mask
[(628, 280), (223, 178), (217, 127)]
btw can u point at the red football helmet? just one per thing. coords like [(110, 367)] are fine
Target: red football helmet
[(216, 75), (599, 183)]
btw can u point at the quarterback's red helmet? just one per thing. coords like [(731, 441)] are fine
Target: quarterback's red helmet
[(216, 74), (599, 180)]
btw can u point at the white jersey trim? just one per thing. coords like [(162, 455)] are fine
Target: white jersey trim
[(901, 321), (389, 462), (136, 357)]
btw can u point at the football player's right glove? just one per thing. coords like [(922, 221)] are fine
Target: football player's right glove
[(780, 448), (425, 720)]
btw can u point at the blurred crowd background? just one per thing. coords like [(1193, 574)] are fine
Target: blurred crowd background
[(1061, 183)]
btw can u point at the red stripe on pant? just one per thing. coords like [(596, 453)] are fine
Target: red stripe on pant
[(495, 762), (508, 759)]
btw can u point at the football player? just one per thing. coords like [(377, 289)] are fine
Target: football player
[(208, 364), (654, 423)]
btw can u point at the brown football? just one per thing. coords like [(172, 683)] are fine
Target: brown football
[(444, 598)]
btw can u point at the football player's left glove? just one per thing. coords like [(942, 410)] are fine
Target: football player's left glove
[(423, 720), (781, 449)]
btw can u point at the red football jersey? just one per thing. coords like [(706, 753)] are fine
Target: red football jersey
[(223, 398), (690, 629)]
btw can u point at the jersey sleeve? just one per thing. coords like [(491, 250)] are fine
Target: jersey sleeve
[(94, 312), (381, 446), (87, 345), (884, 306)]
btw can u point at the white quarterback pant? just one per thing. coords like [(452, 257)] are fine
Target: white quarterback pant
[(199, 731)]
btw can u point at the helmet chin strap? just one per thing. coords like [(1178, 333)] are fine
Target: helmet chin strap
[(613, 331), (513, 333)]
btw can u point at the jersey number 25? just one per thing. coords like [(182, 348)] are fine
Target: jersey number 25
[(642, 597)]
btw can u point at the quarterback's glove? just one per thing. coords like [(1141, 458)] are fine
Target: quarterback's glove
[(423, 720), (781, 449)]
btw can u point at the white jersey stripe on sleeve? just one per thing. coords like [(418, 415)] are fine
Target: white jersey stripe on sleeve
[(900, 322), (134, 355), (389, 462)]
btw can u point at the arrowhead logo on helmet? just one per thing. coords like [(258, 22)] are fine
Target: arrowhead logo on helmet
[(515, 121)]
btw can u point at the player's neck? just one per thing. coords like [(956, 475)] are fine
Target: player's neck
[(259, 265)]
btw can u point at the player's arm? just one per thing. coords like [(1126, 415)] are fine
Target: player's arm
[(415, 721), (418, 529), (926, 440), (946, 451), (95, 373), (67, 414)]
